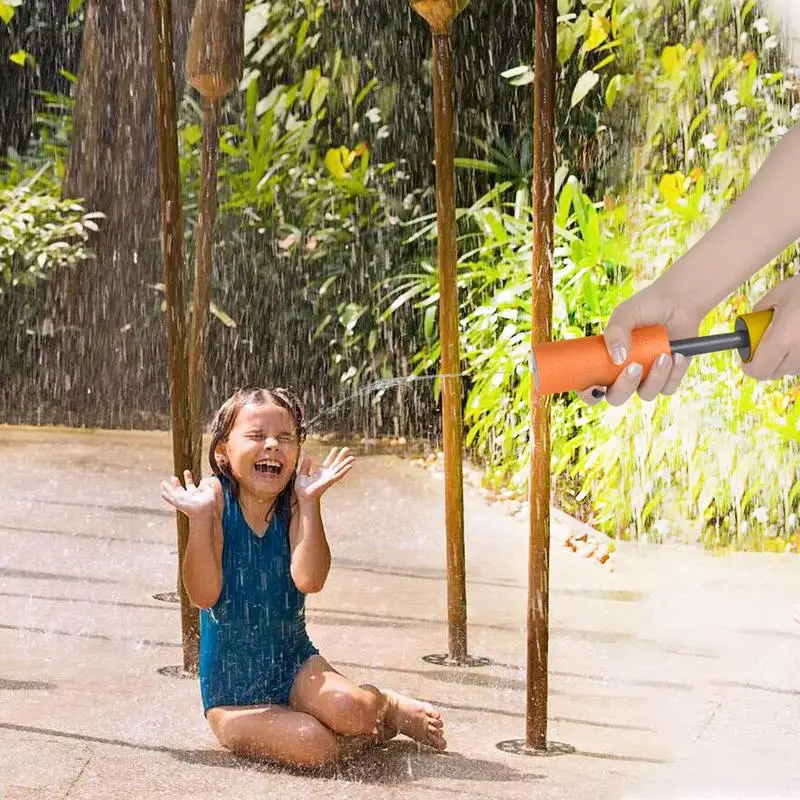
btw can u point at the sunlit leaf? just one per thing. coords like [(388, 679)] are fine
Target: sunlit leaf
[(672, 186), (7, 11), (698, 120), (673, 60), (335, 161), (519, 76), (224, 318), (192, 134), (612, 90), (566, 43), (476, 164), (598, 33), (581, 25), (319, 95), (585, 84)]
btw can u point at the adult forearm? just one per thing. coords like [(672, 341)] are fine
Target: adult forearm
[(760, 225), (311, 558), (201, 573)]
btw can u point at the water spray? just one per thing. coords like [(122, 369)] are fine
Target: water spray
[(577, 364)]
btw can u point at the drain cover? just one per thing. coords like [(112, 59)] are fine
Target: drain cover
[(167, 597), (175, 671), (446, 660), (518, 748)]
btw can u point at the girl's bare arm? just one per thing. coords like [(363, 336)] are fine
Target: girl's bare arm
[(311, 555), (202, 563)]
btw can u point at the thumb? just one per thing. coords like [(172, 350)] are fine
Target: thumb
[(618, 333)]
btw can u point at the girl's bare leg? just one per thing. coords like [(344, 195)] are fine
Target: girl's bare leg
[(281, 734), (353, 710)]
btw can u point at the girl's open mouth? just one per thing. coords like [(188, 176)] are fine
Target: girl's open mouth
[(269, 467)]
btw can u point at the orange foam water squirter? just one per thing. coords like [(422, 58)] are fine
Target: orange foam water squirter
[(577, 364)]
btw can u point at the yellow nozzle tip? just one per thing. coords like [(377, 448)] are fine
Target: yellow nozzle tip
[(756, 325)]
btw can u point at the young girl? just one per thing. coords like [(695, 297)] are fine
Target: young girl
[(256, 547)]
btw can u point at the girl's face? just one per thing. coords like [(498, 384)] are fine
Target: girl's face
[(262, 449)]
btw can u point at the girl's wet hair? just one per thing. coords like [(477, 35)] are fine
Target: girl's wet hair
[(225, 419)]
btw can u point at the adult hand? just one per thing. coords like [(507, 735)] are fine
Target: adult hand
[(778, 353), (655, 305)]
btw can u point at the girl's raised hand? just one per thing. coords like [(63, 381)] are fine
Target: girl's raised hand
[(311, 486), (193, 500)]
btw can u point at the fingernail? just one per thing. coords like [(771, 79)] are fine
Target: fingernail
[(598, 394), (634, 370), (619, 355), (662, 360), (679, 359)]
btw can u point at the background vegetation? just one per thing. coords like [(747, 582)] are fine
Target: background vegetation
[(325, 244)]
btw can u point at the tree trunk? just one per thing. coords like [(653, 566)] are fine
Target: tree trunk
[(109, 351)]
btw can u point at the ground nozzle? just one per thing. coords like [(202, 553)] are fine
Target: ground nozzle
[(439, 14), (215, 55)]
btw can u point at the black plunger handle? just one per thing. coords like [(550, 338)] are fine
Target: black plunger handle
[(738, 340)]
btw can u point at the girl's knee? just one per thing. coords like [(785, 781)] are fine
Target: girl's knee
[(357, 713), (230, 735), (231, 739)]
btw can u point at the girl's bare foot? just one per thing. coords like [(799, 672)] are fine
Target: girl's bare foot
[(417, 720)]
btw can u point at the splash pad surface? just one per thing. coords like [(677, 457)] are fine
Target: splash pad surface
[(674, 676)]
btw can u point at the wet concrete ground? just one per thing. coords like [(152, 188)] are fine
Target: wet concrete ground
[(674, 676)]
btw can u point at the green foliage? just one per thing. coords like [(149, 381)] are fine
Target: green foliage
[(665, 108), (495, 310), (21, 57), (712, 107), (39, 231), (299, 188), (8, 9), (39, 234), (718, 462)]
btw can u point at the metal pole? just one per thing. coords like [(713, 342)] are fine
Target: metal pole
[(172, 248), (203, 269), (439, 14), (541, 324), (214, 64), (452, 415)]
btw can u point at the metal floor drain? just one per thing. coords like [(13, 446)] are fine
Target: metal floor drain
[(167, 597), (446, 660), (518, 747), (175, 671)]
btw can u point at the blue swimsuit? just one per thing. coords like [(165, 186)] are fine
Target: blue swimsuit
[(253, 641)]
